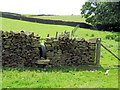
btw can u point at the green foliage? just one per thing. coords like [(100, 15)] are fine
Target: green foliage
[(103, 15), (112, 37), (92, 35), (86, 34)]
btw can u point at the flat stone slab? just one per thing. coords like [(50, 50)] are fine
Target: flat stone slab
[(42, 61), (94, 40)]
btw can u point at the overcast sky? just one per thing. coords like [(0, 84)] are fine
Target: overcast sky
[(57, 7)]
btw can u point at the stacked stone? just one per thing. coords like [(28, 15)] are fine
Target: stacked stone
[(20, 48), (0, 51), (70, 51)]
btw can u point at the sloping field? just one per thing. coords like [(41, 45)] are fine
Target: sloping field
[(45, 21), (64, 77), (109, 39), (37, 28), (74, 18)]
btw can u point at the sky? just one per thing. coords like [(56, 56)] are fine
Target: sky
[(56, 7)]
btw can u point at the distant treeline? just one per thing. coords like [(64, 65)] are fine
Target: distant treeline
[(55, 22)]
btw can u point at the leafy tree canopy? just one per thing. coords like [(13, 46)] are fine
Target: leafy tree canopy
[(102, 15)]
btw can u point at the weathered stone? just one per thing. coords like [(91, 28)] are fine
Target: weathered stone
[(70, 51), (17, 48)]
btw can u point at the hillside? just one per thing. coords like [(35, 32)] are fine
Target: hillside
[(64, 77), (37, 28), (46, 21), (74, 18), (110, 39)]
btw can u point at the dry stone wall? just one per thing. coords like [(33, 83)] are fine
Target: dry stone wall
[(55, 22), (70, 51), (24, 49), (19, 48)]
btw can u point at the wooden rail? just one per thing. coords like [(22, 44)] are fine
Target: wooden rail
[(110, 52)]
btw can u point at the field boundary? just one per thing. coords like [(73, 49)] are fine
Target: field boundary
[(44, 21), (67, 51), (25, 49)]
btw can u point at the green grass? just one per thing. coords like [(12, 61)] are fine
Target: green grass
[(37, 28), (61, 77), (74, 18), (64, 77)]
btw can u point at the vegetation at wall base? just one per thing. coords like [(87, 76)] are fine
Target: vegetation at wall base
[(61, 77)]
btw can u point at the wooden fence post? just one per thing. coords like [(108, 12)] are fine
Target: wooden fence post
[(98, 51)]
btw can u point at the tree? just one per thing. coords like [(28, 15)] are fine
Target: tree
[(102, 15)]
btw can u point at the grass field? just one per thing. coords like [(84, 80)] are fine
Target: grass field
[(64, 77), (74, 18), (61, 77), (37, 28)]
